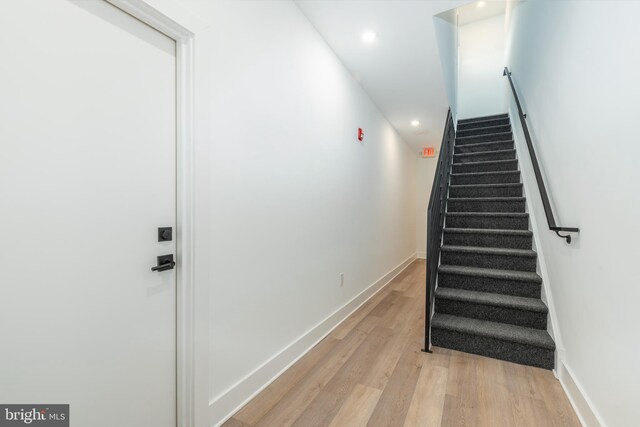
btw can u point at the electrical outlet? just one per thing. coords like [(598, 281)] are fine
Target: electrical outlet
[(341, 279)]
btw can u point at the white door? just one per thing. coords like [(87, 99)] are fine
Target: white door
[(87, 175)]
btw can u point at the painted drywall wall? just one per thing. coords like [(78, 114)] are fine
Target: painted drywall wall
[(446, 29), (291, 198), (426, 172), (575, 65), (480, 64)]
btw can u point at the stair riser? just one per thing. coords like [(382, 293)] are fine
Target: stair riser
[(501, 178), (507, 136), (511, 165), (484, 157), (488, 240), (529, 319), (482, 124), (488, 146), (493, 223), (483, 130), (488, 284), (511, 191), (501, 262), (491, 347), (503, 116), (456, 205)]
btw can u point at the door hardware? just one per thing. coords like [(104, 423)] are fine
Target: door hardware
[(165, 234), (165, 262)]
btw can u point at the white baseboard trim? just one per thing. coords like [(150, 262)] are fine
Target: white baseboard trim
[(421, 255), (228, 403), (583, 406)]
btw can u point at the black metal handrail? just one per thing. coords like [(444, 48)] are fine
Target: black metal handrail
[(536, 168), (435, 220)]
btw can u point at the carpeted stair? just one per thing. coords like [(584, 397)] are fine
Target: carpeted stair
[(488, 297)]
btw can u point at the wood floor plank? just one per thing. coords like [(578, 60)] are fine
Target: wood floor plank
[(370, 371), (233, 422), (462, 382), (403, 330), (493, 396), (385, 305), (530, 412), (427, 403), (407, 282), (368, 306), (357, 409), (396, 397), (295, 401), (522, 380), (352, 321), (451, 415), (439, 357), (271, 395), (327, 404), (417, 292), (554, 398)]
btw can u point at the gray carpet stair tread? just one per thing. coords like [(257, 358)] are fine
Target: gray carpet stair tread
[(485, 162), (491, 231), (496, 300), (498, 185), (495, 214), (483, 118), (489, 251), (486, 135), (484, 153), (487, 127), (488, 199), (488, 172), (500, 331), (484, 144), (520, 276)]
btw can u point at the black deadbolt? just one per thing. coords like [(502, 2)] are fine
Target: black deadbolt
[(165, 234)]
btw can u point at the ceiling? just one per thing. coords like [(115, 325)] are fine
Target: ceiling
[(401, 69), (470, 13)]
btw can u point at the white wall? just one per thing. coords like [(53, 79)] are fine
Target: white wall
[(426, 173), (576, 66), (288, 198), (481, 61), (446, 29)]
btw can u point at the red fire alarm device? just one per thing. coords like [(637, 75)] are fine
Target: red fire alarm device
[(360, 134), (428, 152)]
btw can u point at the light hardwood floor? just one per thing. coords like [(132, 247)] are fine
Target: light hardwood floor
[(370, 372)]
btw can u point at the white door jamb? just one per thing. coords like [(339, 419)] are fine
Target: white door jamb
[(164, 17)]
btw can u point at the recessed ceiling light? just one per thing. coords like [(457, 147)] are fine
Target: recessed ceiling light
[(481, 4), (415, 123), (368, 36)]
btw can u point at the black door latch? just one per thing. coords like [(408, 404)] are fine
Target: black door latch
[(165, 262)]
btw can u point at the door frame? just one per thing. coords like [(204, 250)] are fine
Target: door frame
[(173, 21)]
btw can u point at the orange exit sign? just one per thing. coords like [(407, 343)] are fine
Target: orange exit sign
[(428, 152)]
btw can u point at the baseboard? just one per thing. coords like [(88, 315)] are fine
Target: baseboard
[(583, 406), (223, 407), (421, 255)]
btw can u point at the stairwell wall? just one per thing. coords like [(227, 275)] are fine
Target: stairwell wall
[(480, 62), (445, 26), (287, 197), (575, 66), (426, 173)]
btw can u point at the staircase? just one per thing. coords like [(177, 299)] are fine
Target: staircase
[(488, 297)]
